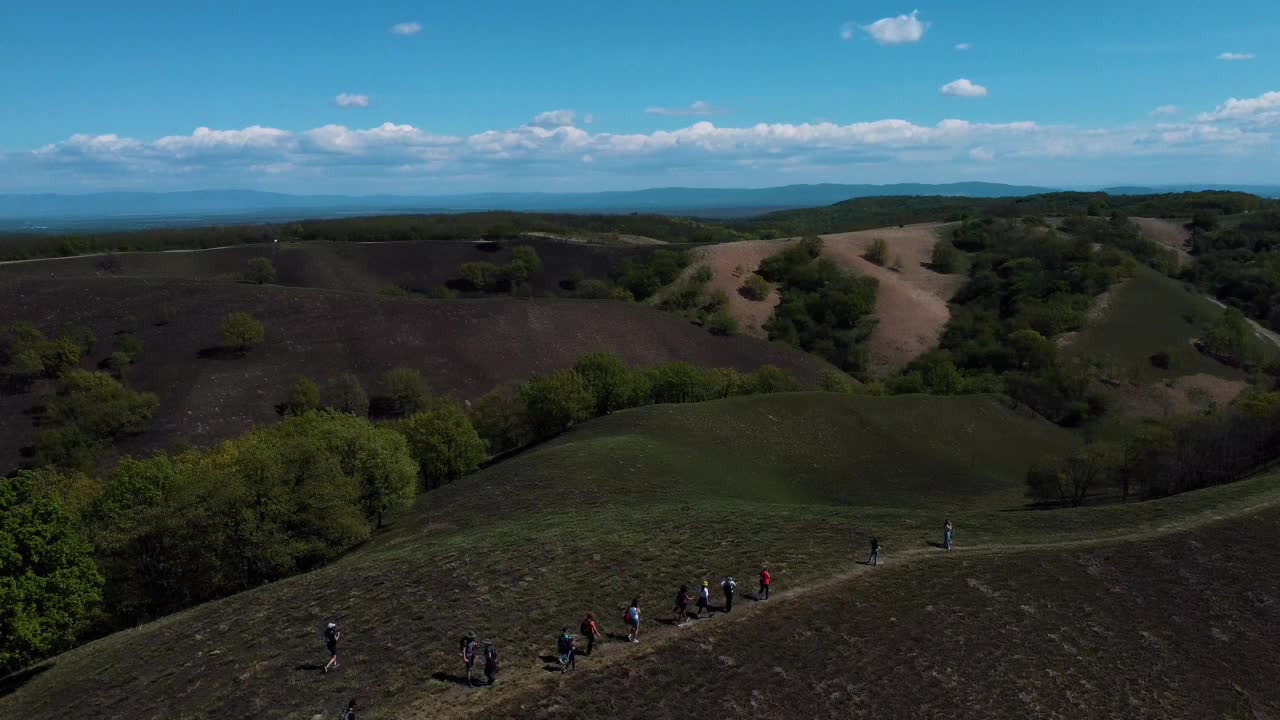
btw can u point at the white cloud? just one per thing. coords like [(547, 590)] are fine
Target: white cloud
[(963, 46), (351, 100), (1164, 110), (1235, 56), (897, 30), (699, 107), (982, 154), (846, 31), (963, 87), (1263, 110), (553, 118), (406, 28)]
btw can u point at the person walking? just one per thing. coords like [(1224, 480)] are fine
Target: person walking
[(564, 646), (764, 584), (729, 587), (683, 598), (946, 535), (490, 662), (331, 637), (874, 558), (467, 651), (590, 631), (633, 621), (350, 712), (704, 599)]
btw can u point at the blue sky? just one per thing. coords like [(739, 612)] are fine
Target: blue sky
[(417, 97)]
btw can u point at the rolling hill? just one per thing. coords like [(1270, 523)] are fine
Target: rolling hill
[(1032, 603)]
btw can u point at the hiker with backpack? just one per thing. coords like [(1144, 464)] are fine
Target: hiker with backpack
[(874, 558), (490, 662), (729, 587), (564, 646), (682, 605), (350, 712), (467, 651), (764, 584), (590, 631), (946, 535), (632, 619), (704, 599), (331, 637)]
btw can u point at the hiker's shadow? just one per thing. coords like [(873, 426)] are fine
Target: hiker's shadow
[(451, 678), (551, 663), (308, 667), (617, 636)]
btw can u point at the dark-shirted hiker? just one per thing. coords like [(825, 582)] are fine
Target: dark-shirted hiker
[(467, 651), (946, 535), (350, 712), (874, 558), (729, 587), (564, 646), (331, 637), (683, 598), (633, 621), (590, 631), (490, 662)]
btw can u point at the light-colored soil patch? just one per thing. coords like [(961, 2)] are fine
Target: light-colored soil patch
[(1187, 394), (911, 303), (1171, 234)]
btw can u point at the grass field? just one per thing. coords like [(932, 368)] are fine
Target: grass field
[(633, 505)]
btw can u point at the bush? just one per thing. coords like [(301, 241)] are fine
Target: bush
[(609, 381), (878, 252), (722, 322), (500, 418), (1227, 338), (768, 379), (594, 290), (392, 290), (481, 276), (444, 443), (407, 391), (524, 264), (88, 410), (129, 344), (347, 395), (756, 288), (1161, 360), (48, 581), (59, 356), (118, 364), (241, 331), (832, 380), (556, 401), (677, 382), (946, 259), (260, 271), (304, 397)]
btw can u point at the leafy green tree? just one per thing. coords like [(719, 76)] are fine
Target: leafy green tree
[(260, 271), (406, 390), (48, 581), (347, 395), (832, 380), (556, 401), (1032, 351), (130, 345), (241, 331), (946, 259), (88, 410), (118, 364), (443, 442), (59, 356), (500, 418), (768, 379), (304, 397), (608, 379), (1227, 338), (724, 382), (722, 322), (878, 252), (524, 264), (84, 337), (677, 382), (481, 275)]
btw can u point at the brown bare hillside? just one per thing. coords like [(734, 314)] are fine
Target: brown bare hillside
[(463, 347), (1172, 234)]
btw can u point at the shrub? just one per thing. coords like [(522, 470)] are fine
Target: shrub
[(1226, 339), (241, 331), (946, 259), (59, 356), (260, 271), (129, 344), (556, 401), (392, 290), (406, 391), (878, 252), (481, 275), (722, 322), (118, 364), (524, 264), (756, 288), (832, 380), (500, 418), (48, 581), (347, 395), (609, 381), (677, 382), (84, 338), (1161, 360), (303, 398), (594, 290), (444, 443), (768, 379), (89, 409)]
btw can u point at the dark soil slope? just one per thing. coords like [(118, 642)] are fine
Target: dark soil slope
[(463, 347), (360, 267)]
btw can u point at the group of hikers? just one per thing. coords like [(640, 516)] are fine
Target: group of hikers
[(566, 643)]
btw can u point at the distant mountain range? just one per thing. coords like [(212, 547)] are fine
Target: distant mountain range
[(128, 210)]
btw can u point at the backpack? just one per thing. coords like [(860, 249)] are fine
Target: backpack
[(330, 635), (491, 655), (565, 644), (348, 714), (585, 628), (730, 586)]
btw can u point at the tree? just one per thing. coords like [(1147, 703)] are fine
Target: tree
[(756, 288), (878, 252), (406, 391), (608, 379), (59, 356), (88, 410), (832, 380), (556, 401), (444, 443), (130, 345), (303, 397), (241, 331), (1071, 479), (1033, 351), (677, 382), (48, 581), (946, 259), (260, 271), (118, 364), (524, 264), (722, 322), (480, 275), (84, 337), (500, 418), (1226, 338), (347, 395)]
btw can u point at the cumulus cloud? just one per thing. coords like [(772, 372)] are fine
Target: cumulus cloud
[(982, 154), (553, 118), (699, 107), (1235, 56), (963, 46), (897, 30), (406, 28), (1261, 110), (1164, 110), (963, 87), (351, 100)]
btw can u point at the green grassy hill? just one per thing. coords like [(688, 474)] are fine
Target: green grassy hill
[(629, 505)]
